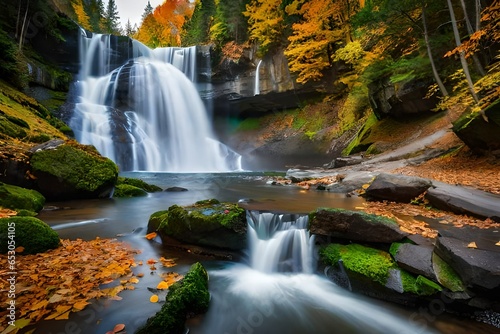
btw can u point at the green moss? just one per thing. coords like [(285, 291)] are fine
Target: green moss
[(150, 188), (376, 265), (7, 128), (17, 198), (188, 296), (155, 220), (361, 142), (446, 276), (394, 248), (82, 168), (370, 262), (206, 202), (40, 138), (126, 190), (29, 232)]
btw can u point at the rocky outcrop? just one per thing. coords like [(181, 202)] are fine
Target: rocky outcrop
[(464, 200), (397, 188), (207, 223), (353, 225), (388, 99), (481, 134), (415, 259), (71, 171)]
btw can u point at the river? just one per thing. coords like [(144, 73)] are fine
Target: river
[(244, 300)]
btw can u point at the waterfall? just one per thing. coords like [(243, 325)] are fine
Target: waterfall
[(279, 293), (256, 90), (140, 108)]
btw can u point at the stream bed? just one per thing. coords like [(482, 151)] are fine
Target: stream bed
[(244, 299)]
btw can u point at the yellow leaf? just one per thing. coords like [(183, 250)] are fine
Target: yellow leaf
[(78, 306), (60, 311), (18, 324), (162, 285), (64, 316), (154, 299), (55, 298), (151, 235), (40, 304), (134, 280), (472, 245)]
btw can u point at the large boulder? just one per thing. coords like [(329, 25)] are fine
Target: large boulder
[(476, 267), (373, 272), (72, 171), (17, 198), (464, 200), (186, 297), (479, 134), (28, 232), (353, 225), (398, 100), (413, 258), (397, 188), (207, 223)]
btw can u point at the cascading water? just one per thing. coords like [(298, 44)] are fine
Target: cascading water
[(278, 292), (146, 114), (257, 79)]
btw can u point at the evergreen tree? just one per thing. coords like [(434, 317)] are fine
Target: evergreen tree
[(197, 29), (111, 19), (148, 10), (129, 30)]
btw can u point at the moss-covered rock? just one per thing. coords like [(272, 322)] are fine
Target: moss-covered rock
[(17, 198), (138, 183), (354, 225), (29, 232), (377, 266), (70, 171), (206, 223), (126, 190), (188, 296), (446, 275)]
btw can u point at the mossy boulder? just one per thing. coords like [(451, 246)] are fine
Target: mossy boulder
[(186, 297), (206, 223), (17, 198), (150, 188), (29, 232), (130, 187), (354, 225), (479, 135), (126, 190), (374, 272), (72, 171)]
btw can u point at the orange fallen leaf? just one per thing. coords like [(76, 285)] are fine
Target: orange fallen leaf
[(497, 244), (472, 245), (40, 304), (140, 275), (163, 285), (152, 261), (151, 235), (61, 313), (118, 328), (19, 249), (153, 299)]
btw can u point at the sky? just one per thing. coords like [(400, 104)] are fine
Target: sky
[(133, 10)]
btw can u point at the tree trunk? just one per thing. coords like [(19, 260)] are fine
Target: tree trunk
[(21, 38), (468, 24), (440, 84), (465, 66)]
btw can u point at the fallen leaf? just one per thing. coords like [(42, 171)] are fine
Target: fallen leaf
[(152, 261), (151, 235), (55, 298), (19, 249), (497, 244), (472, 245), (118, 328), (40, 304), (60, 311), (78, 306), (153, 299), (163, 285)]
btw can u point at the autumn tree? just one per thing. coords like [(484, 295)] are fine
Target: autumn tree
[(265, 23), (81, 14), (322, 25)]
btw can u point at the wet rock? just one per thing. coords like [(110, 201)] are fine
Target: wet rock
[(475, 266), (72, 171), (354, 225), (207, 223), (397, 188), (347, 161), (464, 200), (415, 259), (352, 181), (175, 189)]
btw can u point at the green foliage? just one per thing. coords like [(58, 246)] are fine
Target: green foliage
[(196, 30), (188, 296), (351, 53), (84, 170), (13, 197), (31, 233)]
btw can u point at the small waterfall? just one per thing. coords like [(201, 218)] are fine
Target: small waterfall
[(278, 292), (279, 242), (257, 79), (143, 111)]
